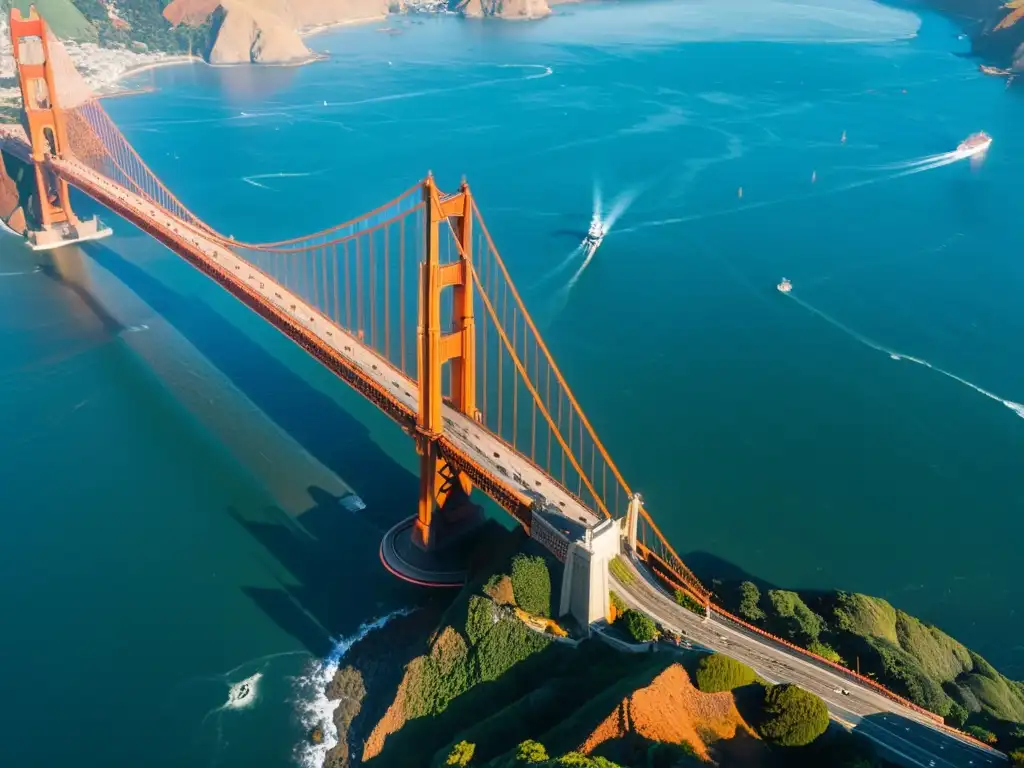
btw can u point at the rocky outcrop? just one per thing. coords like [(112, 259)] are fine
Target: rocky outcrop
[(268, 31), (994, 26), (300, 15), (505, 9), (247, 35)]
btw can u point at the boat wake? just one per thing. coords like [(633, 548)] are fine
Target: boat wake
[(314, 709), (1017, 408), (255, 179), (600, 226)]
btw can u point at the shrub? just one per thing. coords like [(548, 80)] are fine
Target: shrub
[(640, 626), (531, 751), (825, 650), (576, 760), (717, 673), (620, 571), (798, 618), (684, 599), (957, 715), (507, 643), (1017, 757), (479, 618), (665, 755), (531, 584), (793, 717), (981, 734), (461, 754), (750, 599)]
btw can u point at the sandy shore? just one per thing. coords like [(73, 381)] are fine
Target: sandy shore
[(311, 31)]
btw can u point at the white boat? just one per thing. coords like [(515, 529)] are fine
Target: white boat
[(785, 286), (594, 235), (974, 144)]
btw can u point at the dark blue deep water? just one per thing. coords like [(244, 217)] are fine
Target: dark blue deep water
[(170, 465)]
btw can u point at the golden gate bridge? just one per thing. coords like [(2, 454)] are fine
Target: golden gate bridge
[(411, 305)]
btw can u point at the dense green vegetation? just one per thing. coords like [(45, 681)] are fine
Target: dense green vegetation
[(685, 600), (531, 584), (793, 717), (65, 18), (914, 659), (142, 24), (640, 626), (621, 571), (717, 673)]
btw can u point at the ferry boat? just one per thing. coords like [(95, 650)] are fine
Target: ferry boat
[(785, 286), (974, 144), (594, 235)]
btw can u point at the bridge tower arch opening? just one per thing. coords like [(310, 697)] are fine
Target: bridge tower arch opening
[(46, 126), (444, 492)]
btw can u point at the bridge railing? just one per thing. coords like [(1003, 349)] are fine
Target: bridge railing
[(522, 396)]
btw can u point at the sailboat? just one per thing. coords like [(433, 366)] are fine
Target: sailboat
[(842, 140)]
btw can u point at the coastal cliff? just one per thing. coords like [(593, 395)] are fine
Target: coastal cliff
[(268, 31), (247, 35), (505, 9), (995, 28)]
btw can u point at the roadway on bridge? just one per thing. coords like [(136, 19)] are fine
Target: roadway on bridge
[(512, 469), (908, 736)]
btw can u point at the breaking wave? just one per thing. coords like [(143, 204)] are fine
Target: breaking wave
[(314, 709)]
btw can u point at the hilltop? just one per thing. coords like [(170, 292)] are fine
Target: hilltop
[(496, 684)]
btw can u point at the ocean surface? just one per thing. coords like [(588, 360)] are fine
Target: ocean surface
[(170, 466)]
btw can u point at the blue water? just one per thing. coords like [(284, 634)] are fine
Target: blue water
[(171, 465)]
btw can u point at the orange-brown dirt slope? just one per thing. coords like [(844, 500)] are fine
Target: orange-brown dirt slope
[(190, 12), (672, 710)]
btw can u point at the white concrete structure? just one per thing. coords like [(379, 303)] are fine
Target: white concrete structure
[(632, 520), (585, 580)]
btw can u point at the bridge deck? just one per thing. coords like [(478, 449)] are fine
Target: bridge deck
[(510, 477)]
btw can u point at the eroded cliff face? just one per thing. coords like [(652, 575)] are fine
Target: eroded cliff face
[(269, 31), (251, 36), (505, 9)]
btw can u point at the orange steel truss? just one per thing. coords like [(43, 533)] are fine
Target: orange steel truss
[(438, 479), (46, 127)]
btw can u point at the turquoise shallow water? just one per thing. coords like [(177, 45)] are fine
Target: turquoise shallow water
[(171, 465)]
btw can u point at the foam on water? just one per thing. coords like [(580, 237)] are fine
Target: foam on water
[(1016, 407), (244, 693), (314, 709)]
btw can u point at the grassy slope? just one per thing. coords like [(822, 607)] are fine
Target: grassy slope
[(66, 21), (914, 658)]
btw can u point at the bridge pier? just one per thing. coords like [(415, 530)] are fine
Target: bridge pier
[(585, 580), (55, 223)]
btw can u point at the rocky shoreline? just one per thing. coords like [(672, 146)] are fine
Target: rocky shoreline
[(365, 686)]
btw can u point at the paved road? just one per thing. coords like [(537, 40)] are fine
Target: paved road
[(510, 468), (907, 736)]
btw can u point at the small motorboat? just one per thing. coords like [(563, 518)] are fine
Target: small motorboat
[(785, 286), (974, 144), (594, 235)]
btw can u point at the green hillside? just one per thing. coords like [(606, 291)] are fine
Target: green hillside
[(88, 21), (63, 16), (913, 658)]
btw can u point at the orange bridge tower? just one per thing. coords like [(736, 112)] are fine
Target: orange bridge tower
[(443, 490), (47, 133), (424, 549)]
